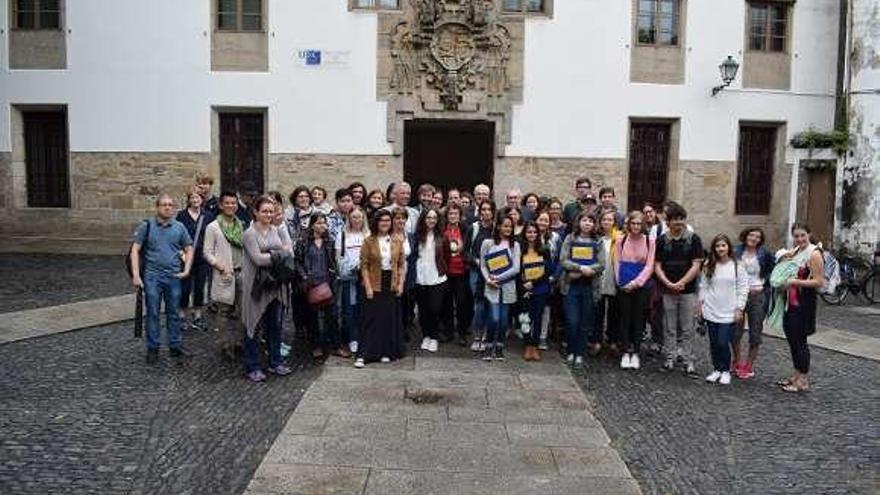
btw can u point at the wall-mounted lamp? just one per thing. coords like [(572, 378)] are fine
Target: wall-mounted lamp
[(728, 70)]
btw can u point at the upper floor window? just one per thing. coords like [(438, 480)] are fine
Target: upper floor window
[(376, 4), (658, 22), (37, 14), (240, 15), (523, 6), (768, 25)]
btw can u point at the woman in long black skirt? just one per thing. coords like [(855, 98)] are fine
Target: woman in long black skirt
[(383, 270)]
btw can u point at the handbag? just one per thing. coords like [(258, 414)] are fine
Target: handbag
[(320, 295), (700, 325)]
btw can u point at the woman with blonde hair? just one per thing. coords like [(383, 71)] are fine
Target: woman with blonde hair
[(633, 269), (348, 244)]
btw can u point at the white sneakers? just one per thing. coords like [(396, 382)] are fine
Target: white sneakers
[(385, 359), (722, 377), (570, 359), (630, 361), (359, 363), (430, 345), (579, 361), (477, 346)]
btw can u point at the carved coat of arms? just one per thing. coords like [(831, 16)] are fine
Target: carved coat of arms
[(457, 48)]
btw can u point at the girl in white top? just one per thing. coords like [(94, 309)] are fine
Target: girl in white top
[(348, 254), (724, 289), (430, 275)]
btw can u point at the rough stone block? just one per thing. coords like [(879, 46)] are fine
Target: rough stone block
[(551, 435), (579, 461), (306, 479)]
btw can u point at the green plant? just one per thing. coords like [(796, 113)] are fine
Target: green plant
[(838, 140)]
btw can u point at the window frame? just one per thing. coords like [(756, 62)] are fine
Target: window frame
[(546, 9), (657, 24), (353, 5), (755, 210), (239, 18), (767, 37), (37, 14)]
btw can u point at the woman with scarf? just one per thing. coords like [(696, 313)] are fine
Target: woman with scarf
[(223, 252), (795, 279)]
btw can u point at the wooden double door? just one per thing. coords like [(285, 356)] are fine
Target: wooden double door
[(242, 152), (448, 153)]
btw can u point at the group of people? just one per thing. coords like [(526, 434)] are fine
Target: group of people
[(355, 275)]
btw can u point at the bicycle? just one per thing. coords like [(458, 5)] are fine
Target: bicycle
[(868, 286)]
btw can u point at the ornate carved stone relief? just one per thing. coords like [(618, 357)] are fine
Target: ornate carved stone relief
[(453, 59)]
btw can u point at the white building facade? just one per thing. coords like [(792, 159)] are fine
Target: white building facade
[(105, 103)]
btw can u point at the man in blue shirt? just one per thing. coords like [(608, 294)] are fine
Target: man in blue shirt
[(166, 249)]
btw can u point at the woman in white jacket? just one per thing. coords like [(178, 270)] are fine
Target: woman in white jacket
[(724, 289)]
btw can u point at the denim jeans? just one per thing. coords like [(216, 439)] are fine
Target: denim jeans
[(349, 302), (580, 323), (499, 317), (270, 323), (537, 303), (480, 304), (720, 335), (157, 288)]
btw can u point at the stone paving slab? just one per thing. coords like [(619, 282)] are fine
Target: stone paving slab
[(854, 344), (383, 482), (32, 323), (444, 425)]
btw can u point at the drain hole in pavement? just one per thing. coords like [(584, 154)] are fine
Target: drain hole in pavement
[(425, 396)]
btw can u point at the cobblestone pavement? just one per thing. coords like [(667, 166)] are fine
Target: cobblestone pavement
[(682, 436), (39, 280), (82, 413)]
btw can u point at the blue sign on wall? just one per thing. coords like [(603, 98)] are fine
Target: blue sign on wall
[(312, 57)]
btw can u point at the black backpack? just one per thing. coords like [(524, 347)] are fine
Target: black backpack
[(141, 257)]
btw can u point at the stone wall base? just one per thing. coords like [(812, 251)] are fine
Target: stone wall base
[(111, 192)]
